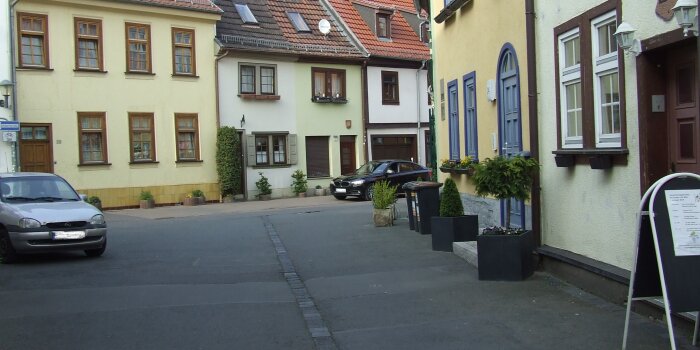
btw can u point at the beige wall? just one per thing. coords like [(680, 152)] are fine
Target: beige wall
[(55, 96)]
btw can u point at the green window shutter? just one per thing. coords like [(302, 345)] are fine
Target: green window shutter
[(292, 140), (250, 146)]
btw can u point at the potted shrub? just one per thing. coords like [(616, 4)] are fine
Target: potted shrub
[(383, 199), (452, 225), (196, 197), (299, 183), (264, 188), (95, 201), (320, 191), (504, 253), (146, 200)]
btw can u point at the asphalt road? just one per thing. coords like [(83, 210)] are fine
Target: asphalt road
[(302, 278)]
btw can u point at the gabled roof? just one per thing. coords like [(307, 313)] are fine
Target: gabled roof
[(275, 33), (195, 5), (405, 43)]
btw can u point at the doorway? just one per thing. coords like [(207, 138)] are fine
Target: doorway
[(347, 154), (35, 148)]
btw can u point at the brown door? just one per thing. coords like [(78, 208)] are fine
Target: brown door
[(684, 124), (347, 154), (35, 148)]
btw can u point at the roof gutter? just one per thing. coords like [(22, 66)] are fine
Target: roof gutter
[(418, 99), (533, 116)]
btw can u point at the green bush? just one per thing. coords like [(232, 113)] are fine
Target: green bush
[(383, 195), (299, 182), (505, 178), (94, 200), (197, 193), (263, 185), (146, 196), (228, 161), (450, 201)]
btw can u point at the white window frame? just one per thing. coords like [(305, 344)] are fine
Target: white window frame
[(568, 76), (603, 66)]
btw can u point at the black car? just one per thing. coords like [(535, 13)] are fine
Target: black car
[(361, 182)]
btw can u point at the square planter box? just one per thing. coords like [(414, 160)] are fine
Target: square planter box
[(505, 257), (600, 162), (147, 204), (564, 161), (447, 230)]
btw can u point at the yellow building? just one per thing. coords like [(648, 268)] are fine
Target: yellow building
[(480, 86), (119, 96)]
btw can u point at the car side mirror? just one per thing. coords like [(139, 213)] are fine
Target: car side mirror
[(389, 171)]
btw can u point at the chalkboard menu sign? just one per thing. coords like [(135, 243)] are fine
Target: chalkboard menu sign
[(667, 255)]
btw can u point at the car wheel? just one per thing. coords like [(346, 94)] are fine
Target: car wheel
[(369, 192), (7, 251), (94, 253), (339, 197)]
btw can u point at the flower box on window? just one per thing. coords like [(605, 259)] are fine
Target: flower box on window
[(564, 160)]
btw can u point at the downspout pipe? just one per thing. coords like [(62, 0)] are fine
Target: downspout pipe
[(418, 110), (533, 117), (13, 71)]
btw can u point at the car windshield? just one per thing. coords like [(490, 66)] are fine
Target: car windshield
[(36, 189), (372, 168)]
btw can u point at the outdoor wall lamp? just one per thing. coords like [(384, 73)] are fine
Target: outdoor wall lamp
[(6, 87), (625, 39), (686, 15), (243, 121)]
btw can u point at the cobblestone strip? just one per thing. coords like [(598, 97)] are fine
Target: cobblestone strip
[(314, 323)]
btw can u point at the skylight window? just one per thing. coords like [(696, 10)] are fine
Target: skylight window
[(245, 13), (298, 22)]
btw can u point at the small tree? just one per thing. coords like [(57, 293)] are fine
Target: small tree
[(299, 182), (450, 201), (263, 185), (505, 178), (228, 161), (383, 195)]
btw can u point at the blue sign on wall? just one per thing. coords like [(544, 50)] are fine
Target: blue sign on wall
[(9, 126)]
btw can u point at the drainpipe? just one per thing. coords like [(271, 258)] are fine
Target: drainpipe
[(418, 99), (14, 79), (365, 111), (533, 117)]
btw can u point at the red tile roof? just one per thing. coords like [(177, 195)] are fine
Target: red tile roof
[(195, 5), (404, 44)]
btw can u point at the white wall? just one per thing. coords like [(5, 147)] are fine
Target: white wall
[(260, 116), (585, 211), (406, 111)]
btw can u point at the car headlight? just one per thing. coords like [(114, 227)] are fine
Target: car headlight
[(98, 219), (29, 223), (357, 182)]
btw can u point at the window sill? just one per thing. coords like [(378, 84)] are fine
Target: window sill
[(94, 164), (192, 76), (83, 70), (259, 97), (30, 68), (338, 100), (597, 158), (140, 73), (189, 161), (144, 162), (391, 103), (271, 166)]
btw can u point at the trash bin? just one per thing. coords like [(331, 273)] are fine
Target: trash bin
[(423, 201)]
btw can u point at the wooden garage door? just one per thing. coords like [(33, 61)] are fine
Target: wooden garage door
[(394, 147)]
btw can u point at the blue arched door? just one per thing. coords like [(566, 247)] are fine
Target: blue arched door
[(509, 121)]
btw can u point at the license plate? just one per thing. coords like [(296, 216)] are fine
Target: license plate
[(339, 190), (68, 234)]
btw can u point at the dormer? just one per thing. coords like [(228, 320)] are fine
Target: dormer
[(383, 24)]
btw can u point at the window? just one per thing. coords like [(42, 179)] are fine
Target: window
[(257, 79), (384, 25), (270, 149), (138, 48), (298, 22), (589, 89), (88, 44), (606, 85), (183, 52), (187, 134), (142, 137), (317, 163), (328, 83), (390, 88), (34, 46), (246, 15), (453, 121), (93, 138), (470, 128), (425, 32), (570, 89)]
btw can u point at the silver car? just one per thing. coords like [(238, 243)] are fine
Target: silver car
[(41, 213)]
